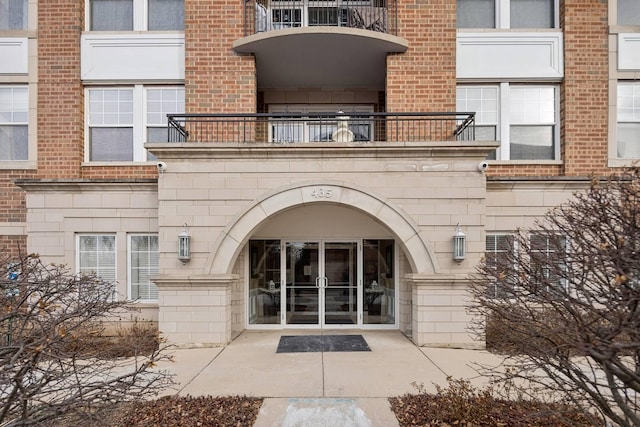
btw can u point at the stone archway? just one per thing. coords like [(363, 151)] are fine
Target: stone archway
[(418, 251)]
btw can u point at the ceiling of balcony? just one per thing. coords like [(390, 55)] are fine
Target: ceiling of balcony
[(322, 57)]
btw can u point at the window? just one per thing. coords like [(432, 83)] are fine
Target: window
[(13, 14), (160, 102), (483, 100), (498, 251), (506, 13), (112, 15), (522, 117), (547, 264), (14, 106), (628, 120), (97, 255), (121, 120), (138, 15), (532, 122), (111, 124), (628, 12), (318, 129), (143, 263), (476, 13)]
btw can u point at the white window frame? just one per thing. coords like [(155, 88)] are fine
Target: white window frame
[(562, 281), (496, 235), (503, 131), (140, 122), (152, 287), (13, 122), (636, 113), (503, 16), (79, 267), (482, 115), (140, 16)]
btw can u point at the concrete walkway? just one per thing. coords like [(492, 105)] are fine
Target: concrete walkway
[(323, 388)]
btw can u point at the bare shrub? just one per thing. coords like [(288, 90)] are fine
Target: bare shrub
[(54, 357)]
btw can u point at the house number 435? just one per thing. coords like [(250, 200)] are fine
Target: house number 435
[(322, 193)]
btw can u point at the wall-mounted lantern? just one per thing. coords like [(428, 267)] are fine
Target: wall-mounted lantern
[(459, 245), (184, 245)]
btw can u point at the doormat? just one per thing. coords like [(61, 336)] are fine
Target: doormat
[(324, 343)]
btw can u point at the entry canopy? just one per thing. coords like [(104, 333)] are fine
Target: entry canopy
[(327, 57)]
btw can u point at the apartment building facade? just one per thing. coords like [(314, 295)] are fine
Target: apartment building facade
[(318, 159)]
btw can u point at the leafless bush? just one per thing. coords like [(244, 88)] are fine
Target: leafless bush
[(562, 300), (53, 356)]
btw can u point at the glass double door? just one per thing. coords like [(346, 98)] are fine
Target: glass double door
[(321, 285)]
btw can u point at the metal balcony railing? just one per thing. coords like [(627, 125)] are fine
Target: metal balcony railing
[(321, 127), (268, 15)]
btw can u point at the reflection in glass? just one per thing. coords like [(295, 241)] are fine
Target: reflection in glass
[(264, 283), (379, 282)]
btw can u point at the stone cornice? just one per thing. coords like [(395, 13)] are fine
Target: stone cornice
[(215, 281), (82, 184)]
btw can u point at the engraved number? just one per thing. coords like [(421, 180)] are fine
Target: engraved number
[(322, 193)]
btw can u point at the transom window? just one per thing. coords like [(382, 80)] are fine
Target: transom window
[(121, 120), (523, 117), (628, 120), (14, 108), (13, 14), (138, 15), (507, 13)]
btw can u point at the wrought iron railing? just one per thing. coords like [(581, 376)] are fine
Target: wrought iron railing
[(268, 15), (321, 127)]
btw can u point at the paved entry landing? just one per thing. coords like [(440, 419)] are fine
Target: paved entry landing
[(323, 343)]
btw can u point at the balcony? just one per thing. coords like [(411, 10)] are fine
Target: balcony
[(269, 15), (337, 128), (320, 44)]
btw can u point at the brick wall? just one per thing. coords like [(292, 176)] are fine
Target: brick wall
[(424, 78), (216, 78), (583, 95)]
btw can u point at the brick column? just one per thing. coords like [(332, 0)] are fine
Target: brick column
[(424, 78)]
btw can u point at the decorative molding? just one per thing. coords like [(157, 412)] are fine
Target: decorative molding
[(510, 55), (137, 57), (16, 48)]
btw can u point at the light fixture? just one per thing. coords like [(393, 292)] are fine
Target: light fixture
[(184, 245), (459, 245)]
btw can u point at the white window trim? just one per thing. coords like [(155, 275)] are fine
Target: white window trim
[(139, 122), (77, 257), (503, 17), (32, 149), (129, 267), (503, 132), (140, 15)]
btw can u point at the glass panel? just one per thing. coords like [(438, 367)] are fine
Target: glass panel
[(14, 143), (264, 282), (532, 13), (111, 144), (13, 14), (532, 143), (476, 14), (302, 283), (341, 286), (629, 140), (628, 12), (144, 259), (166, 15), (111, 15), (97, 255), (379, 282)]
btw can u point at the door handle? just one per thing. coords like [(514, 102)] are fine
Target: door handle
[(318, 282), (325, 282)]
